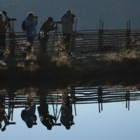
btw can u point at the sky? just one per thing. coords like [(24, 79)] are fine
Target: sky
[(114, 122), (114, 13)]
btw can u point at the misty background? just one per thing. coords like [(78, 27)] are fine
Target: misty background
[(114, 13)]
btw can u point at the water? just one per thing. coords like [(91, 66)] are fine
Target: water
[(113, 113)]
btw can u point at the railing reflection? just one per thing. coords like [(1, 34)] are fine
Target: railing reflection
[(62, 102)]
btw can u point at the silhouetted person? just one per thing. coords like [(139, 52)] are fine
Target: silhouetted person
[(28, 114), (67, 28), (30, 24), (66, 112), (3, 24), (46, 27), (46, 119), (2, 117)]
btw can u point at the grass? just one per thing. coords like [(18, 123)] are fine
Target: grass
[(107, 67)]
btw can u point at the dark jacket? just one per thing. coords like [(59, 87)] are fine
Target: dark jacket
[(45, 28)]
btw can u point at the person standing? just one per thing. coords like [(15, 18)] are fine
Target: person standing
[(46, 27), (3, 24), (67, 21), (30, 24)]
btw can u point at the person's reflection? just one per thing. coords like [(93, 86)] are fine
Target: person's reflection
[(46, 119), (2, 117), (28, 114), (66, 112)]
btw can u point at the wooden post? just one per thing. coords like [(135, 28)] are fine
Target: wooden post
[(127, 95), (128, 33), (100, 36), (100, 99)]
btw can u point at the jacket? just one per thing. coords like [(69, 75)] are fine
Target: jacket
[(67, 23), (31, 27), (2, 27)]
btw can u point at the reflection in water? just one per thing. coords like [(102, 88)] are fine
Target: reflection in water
[(4, 117), (62, 101), (66, 111), (46, 119), (28, 114)]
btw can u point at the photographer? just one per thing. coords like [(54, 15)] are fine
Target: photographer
[(67, 28), (30, 23), (46, 27), (3, 24)]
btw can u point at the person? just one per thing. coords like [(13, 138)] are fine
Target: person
[(66, 113), (67, 21), (30, 24), (3, 24), (46, 119), (3, 117), (46, 27), (28, 114)]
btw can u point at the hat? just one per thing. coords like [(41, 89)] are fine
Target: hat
[(50, 19), (69, 11), (30, 14)]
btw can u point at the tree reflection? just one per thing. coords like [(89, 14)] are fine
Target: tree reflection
[(57, 107)]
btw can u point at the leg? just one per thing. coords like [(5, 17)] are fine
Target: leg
[(43, 46), (67, 38), (2, 44), (30, 40)]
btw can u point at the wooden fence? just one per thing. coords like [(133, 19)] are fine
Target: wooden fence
[(85, 40)]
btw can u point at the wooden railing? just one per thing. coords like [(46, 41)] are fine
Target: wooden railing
[(87, 40)]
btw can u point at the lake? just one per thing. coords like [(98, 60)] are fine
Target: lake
[(98, 112)]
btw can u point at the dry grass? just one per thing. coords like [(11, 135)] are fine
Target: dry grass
[(125, 54), (112, 66)]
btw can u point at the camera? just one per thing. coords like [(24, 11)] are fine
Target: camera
[(35, 16)]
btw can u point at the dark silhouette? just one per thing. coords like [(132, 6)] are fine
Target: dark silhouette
[(67, 28), (28, 114), (46, 27), (66, 112), (3, 24), (3, 116), (46, 119), (30, 24)]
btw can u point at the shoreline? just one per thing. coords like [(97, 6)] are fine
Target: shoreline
[(106, 68)]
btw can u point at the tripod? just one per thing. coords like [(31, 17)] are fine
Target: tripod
[(10, 29)]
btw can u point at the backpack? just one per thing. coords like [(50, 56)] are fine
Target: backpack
[(23, 25)]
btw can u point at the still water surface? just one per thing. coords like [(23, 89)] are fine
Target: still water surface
[(98, 113)]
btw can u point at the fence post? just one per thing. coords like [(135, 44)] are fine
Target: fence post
[(128, 33), (100, 36)]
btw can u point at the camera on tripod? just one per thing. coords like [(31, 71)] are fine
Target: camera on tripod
[(5, 13), (35, 17)]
